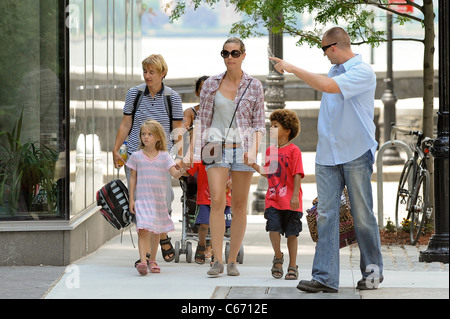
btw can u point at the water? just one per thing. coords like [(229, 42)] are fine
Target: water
[(193, 57)]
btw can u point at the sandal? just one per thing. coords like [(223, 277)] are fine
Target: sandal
[(142, 269), (200, 258), (277, 272), (154, 269), (139, 260), (292, 273), (167, 252)]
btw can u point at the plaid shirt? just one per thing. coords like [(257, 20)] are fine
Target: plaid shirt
[(250, 115)]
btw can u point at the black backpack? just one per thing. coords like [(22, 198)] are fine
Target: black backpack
[(113, 199)]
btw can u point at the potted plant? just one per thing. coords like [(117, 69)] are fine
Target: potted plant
[(26, 171)]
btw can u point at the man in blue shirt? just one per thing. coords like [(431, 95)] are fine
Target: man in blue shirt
[(344, 157)]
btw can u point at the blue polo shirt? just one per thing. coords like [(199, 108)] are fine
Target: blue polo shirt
[(345, 127)]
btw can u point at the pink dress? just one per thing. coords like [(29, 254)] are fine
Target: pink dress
[(150, 194)]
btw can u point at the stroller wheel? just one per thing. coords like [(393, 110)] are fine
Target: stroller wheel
[(240, 257), (188, 252), (227, 251), (177, 251)]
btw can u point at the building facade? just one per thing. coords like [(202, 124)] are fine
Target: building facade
[(65, 68)]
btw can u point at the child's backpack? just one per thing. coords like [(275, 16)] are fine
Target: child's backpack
[(113, 199)]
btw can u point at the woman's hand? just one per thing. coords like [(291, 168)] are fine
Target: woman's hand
[(249, 158)]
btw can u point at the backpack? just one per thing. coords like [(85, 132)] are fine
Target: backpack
[(167, 103), (113, 199)]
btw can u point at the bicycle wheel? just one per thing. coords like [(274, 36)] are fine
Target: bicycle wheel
[(402, 203), (419, 206)]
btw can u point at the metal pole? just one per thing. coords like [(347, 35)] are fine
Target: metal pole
[(438, 245), (275, 98), (389, 100)]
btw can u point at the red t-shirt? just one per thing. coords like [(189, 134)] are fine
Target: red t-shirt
[(281, 166), (203, 193)]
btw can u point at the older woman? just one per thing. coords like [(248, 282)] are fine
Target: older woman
[(232, 114), (152, 106)]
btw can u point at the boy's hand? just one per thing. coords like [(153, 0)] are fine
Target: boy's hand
[(295, 204)]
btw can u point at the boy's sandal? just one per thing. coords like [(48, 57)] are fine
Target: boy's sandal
[(200, 258), (139, 260), (170, 253), (277, 272), (142, 269), (292, 273), (154, 269)]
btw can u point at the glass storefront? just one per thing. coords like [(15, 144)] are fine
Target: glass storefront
[(65, 67)]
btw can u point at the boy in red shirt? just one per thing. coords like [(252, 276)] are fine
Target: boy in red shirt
[(283, 204), (204, 208)]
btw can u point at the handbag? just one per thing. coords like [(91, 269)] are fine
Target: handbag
[(211, 153), (347, 234)]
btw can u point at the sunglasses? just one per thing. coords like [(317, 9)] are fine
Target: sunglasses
[(325, 48), (235, 54)]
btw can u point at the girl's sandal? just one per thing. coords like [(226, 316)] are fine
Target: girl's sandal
[(139, 260), (142, 269), (292, 273), (277, 272), (154, 269)]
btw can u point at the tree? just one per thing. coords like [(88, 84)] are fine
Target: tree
[(357, 15)]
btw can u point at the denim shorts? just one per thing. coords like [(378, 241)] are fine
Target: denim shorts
[(286, 222), (232, 159)]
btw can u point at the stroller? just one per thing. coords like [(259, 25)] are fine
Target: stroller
[(189, 228)]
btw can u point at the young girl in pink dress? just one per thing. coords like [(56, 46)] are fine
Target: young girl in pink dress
[(149, 168)]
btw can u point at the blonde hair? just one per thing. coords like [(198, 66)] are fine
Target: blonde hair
[(236, 41), (157, 62), (157, 130)]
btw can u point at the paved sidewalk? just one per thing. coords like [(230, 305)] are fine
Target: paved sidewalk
[(109, 273)]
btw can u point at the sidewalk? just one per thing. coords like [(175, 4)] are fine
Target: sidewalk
[(109, 272)]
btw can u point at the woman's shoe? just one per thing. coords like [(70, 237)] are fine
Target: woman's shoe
[(216, 269), (200, 257), (232, 269)]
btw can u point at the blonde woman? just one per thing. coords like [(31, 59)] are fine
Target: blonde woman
[(231, 113)]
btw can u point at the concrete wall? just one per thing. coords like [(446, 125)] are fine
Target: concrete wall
[(56, 243)]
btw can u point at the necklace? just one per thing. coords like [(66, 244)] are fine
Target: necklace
[(150, 155), (280, 146)]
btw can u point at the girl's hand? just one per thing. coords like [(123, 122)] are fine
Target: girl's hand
[(132, 208)]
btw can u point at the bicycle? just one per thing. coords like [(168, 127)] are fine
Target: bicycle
[(413, 202)]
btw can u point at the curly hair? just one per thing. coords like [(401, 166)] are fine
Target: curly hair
[(288, 119)]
